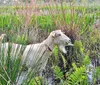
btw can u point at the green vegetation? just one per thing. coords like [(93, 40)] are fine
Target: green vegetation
[(77, 20)]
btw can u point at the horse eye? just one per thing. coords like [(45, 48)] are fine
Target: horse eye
[(59, 34)]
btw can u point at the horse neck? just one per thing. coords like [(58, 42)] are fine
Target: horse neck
[(49, 42)]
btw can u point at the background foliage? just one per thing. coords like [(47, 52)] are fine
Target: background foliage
[(79, 22)]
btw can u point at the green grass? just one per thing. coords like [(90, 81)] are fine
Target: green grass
[(85, 48), (10, 22)]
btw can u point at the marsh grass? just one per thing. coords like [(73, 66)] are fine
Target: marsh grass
[(76, 20), (11, 68), (8, 67)]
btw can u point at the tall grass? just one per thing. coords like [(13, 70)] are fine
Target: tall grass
[(76, 20)]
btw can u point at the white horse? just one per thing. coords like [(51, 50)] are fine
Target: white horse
[(35, 56)]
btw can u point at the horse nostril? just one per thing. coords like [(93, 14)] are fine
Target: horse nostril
[(69, 40)]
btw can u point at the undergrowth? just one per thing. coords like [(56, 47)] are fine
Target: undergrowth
[(77, 21)]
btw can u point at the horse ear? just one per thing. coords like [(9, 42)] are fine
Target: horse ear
[(53, 35)]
